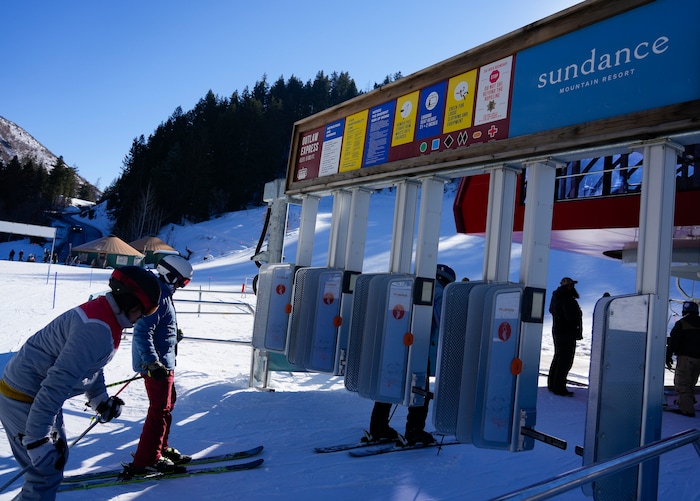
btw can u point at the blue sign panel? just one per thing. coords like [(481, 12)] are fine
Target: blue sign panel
[(378, 138), (639, 60), (430, 111)]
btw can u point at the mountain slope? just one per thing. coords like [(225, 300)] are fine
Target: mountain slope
[(15, 141)]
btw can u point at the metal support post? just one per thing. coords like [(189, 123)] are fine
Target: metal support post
[(499, 223)]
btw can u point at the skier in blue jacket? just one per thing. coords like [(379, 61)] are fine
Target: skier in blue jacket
[(153, 354), (60, 361)]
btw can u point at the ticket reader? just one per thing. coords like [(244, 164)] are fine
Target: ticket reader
[(315, 320), (479, 397), (616, 390), (387, 337), (271, 315)]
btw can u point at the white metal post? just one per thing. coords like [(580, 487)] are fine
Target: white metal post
[(432, 192), (537, 227), (404, 224), (499, 223), (307, 230), (357, 229), (340, 221), (534, 264), (653, 276)]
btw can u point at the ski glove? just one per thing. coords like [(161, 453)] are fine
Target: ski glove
[(110, 409), (156, 370), (45, 452)]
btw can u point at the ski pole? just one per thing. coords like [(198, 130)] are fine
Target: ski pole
[(92, 425), (23, 470), (137, 376), (94, 418)]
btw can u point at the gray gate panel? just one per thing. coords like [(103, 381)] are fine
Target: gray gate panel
[(451, 355), (614, 417), (360, 297)]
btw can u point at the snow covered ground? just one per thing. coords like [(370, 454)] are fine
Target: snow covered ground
[(217, 412)]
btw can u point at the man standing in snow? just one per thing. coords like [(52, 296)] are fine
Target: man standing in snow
[(684, 341), (153, 353), (62, 360), (415, 421), (567, 328)]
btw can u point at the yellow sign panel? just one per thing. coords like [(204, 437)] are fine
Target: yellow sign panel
[(461, 91), (405, 119), (353, 141)]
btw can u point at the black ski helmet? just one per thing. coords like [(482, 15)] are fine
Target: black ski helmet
[(445, 275), (690, 308), (134, 286)]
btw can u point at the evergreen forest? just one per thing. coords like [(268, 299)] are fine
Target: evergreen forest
[(217, 157), (30, 194)]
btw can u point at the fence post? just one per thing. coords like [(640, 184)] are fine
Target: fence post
[(55, 280)]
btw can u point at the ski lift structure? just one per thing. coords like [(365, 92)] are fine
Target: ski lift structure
[(520, 116)]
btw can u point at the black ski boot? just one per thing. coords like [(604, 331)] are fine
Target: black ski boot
[(176, 456), (418, 436)]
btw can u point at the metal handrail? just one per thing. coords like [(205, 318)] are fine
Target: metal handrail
[(237, 307), (580, 476)]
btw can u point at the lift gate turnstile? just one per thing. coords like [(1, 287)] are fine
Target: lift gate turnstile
[(271, 316), (315, 320), (478, 398), (380, 338), (614, 418)]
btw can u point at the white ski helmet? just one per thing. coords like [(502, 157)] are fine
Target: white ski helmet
[(175, 270)]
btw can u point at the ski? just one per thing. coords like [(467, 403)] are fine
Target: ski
[(356, 445), (112, 481), (373, 451), (231, 456)]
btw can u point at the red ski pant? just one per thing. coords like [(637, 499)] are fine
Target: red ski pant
[(156, 428)]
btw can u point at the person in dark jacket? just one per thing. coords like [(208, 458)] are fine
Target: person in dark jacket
[(379, 428), (684, 342), (154, 348), (567, 328), (62, 360)]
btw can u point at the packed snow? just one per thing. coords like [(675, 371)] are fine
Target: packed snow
[(218, 412)]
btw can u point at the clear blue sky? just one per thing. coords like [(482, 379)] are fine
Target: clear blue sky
[(86, 78)]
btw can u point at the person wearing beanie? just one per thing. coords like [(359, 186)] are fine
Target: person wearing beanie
[(567, 328), (684, 342), (60, 361)]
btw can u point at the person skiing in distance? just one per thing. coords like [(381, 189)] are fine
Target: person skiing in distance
[(62, 360), (567, 328), (684, 341), (154, 349)]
